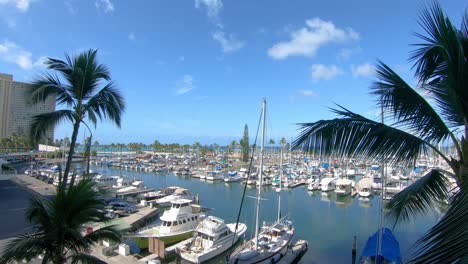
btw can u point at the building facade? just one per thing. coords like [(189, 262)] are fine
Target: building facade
[(17, 110)]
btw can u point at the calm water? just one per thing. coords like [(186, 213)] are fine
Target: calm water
[(327, 223)]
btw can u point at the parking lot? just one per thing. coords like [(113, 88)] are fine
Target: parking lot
[(13, 203)]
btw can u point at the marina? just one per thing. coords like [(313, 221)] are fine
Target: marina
[(327, 222)]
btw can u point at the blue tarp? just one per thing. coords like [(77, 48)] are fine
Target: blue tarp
[(390, 246), (326, 165)]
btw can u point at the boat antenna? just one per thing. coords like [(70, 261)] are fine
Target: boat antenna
[(254, 146)]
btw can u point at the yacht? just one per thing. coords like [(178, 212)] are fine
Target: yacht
[(313, 185), (179, 193), (364, 188), (211, 238), (214, 176), (135, 185), (343, 187), (177, 223), (327, 184)]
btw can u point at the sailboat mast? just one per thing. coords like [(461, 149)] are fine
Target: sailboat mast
[(379, 244), (259, 190), (280, 177)]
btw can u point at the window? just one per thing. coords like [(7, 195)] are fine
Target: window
[(196, 217), (180, 222), (193, 218), (184, 221), (175, 223), (168, 223)]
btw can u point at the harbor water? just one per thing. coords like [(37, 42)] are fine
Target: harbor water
[(327, 222)]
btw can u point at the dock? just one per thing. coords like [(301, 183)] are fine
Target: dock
[(294, 254), (133, 193), (133, 221), (296, 184)]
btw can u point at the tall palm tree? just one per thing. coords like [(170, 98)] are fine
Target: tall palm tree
[(58, 224), (420, 121), (77, 88)]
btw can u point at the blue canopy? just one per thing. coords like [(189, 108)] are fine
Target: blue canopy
[(390, 246)]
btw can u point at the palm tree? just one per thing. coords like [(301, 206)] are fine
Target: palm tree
[(420, 122), (78, 90), (58, 224)]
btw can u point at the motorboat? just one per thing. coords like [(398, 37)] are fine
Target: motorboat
[(211, 238), (343, 187), (179, 193), (177, 223), (328, 184)]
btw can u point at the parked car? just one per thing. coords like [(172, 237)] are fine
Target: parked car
[(123, 206)]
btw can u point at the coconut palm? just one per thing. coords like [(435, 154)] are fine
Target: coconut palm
[(419, 122), (58, 225), (79, 89)]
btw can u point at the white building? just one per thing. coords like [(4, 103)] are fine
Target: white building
[(17, 110)]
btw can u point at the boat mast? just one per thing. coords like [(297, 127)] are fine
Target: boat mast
[(280, 177), (379, 245), (259, 190)]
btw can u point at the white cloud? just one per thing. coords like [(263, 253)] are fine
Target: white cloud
[(106, 5), (307, 93), (186, 85), (131, 37), (12, 53), (71, 9), (228, 43), (307, 40), (363, 70), (213, 8), (324, 72), (22, 5)]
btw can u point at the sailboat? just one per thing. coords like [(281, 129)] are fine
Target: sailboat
[(271, 242), (382, 247)]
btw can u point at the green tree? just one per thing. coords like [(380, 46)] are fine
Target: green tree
[(234, 145), (156, 145), (271, 143), (244, 143), (57, 226), (422, 121), (79, 91)]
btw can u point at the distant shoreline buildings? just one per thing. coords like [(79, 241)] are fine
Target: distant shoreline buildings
[(17, 109)]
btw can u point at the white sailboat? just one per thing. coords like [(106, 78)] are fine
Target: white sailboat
[(271, 242)]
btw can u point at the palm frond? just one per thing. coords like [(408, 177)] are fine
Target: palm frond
[(110, 233), (407, 106), (50, 85), (441, 65), (43, 122), (447, 241), (40, 211), (419, 197), (107, 103), (353, 135), (26, 247)]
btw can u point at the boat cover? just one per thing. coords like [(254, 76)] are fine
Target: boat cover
[(390, 246)]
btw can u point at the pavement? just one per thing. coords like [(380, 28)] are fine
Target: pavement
[(14, 201)]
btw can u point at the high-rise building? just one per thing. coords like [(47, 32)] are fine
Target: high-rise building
[(17, 109)]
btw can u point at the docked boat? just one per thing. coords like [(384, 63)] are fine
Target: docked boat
[(163, 192), (135, 185), (214, 176), (211, 238), (232, 177), (177, 223), (314, 185), (270, 242), (179, 193), (364, 188), (343, 187), (327, 184)]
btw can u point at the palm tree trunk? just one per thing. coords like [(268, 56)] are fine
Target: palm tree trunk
[(76, 128)]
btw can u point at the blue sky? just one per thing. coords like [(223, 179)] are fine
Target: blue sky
[(196, 70)]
